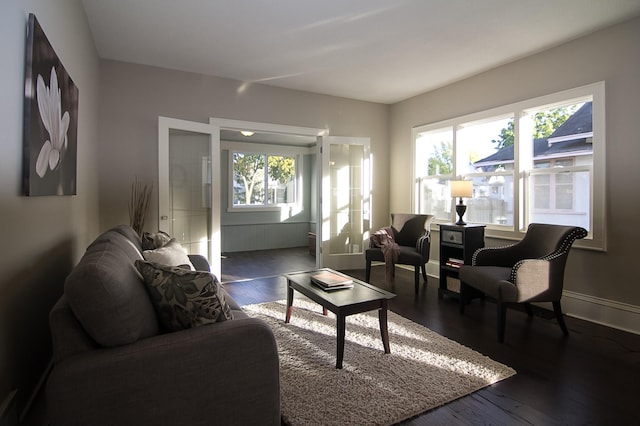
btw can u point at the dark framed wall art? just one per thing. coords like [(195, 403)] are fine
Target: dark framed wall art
[(50, 120)]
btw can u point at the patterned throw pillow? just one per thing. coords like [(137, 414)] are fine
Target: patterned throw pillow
[(183, 298)]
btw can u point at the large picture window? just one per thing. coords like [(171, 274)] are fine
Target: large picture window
[(540, 160)]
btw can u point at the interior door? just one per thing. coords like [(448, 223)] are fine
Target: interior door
[(345, 202), (188, 189)]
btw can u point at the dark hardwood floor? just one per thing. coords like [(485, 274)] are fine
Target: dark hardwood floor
[(591, 377)]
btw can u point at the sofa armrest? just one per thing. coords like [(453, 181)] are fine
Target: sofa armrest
[(223, 373), (200, 262)]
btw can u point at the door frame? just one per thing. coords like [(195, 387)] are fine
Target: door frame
[(230, 124), (213, 128)]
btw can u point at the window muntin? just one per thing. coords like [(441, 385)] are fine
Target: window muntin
[(561, 182)]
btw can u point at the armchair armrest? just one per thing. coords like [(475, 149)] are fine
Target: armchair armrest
[(224, 373), (505, 256), (423, 245)]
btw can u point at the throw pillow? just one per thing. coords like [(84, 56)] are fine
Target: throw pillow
[(154, 241), (172, 254), (182, 298)]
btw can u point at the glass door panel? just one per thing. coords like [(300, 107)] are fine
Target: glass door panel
[(190, 190), (346, 192)]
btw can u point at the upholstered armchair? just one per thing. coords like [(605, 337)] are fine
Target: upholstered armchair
[(412, 234), (531, 270)]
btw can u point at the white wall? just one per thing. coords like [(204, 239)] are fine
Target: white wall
[(43, 236), (599, 286)]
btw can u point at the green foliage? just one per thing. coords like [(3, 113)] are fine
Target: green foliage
[(506, 137), (441, 162), (281, 169), (545, 123)]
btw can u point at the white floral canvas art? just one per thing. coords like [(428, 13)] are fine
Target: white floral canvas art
[(50, 119)]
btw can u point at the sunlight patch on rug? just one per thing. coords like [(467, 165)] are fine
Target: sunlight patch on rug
[(423, 371)]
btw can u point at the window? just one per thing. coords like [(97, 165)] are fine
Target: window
[(262, 180), (434, 166), (540, 160)]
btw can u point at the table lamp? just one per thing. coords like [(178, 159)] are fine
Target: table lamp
[(461, 188)]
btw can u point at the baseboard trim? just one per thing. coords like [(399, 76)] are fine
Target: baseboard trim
[(610, 313)]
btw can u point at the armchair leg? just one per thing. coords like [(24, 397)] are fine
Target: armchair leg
[(424, 272), (367, 273), (558, 311), (416, 275), (527, 307), (462, 297), (502, 318)]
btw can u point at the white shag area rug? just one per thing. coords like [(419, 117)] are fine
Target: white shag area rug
[(423, 371)]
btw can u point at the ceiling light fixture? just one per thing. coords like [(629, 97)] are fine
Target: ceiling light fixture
[(247, 133)]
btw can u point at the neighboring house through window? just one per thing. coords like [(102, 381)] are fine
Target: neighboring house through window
[(540, 160)]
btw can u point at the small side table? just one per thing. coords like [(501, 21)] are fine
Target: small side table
[(457, 245)]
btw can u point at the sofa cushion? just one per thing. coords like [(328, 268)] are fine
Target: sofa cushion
[(171, 254), (183, 298), (107, 295)]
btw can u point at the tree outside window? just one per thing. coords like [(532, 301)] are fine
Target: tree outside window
[(261, 179)]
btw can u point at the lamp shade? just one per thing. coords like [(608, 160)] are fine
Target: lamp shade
[(461, 188)]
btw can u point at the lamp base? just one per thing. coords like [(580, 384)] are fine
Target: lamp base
[(460, 210)]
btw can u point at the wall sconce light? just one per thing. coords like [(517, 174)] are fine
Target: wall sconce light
[(247, 133), (461, 188)]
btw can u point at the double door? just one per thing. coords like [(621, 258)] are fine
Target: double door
[(189, 189)]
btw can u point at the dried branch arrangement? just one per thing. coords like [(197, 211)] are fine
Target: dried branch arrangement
[(138, 205)]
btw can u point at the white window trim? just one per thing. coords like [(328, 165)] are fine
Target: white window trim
[(597, 238)]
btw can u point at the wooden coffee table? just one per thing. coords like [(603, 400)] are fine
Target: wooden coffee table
[(362, 297)]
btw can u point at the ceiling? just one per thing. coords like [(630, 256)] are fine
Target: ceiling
[(267, 138), (373, 50)]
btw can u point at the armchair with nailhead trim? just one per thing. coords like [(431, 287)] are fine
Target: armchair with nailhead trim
[(531, 270)]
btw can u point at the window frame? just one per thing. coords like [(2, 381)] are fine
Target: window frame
[(266, 150), (523, 160)]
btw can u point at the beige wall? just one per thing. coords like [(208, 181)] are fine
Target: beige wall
[(612, 55), (43, 236), (133, 96)]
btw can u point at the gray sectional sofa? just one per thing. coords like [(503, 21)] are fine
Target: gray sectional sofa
[(114, 366)]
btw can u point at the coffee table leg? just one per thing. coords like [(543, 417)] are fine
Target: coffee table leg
[(289, 303), (340, 340), (384, 331)]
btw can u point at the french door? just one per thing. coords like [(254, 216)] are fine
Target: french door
[(345, 202), (189, 190)]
